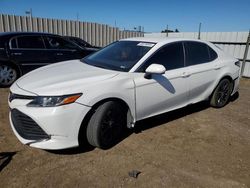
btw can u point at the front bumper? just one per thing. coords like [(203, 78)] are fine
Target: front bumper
[(47, 127)]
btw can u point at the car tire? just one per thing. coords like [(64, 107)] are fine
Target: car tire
[(106, 125), (8, 75), (222, 93)]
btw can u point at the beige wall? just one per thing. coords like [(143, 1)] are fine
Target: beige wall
[(94, 33)]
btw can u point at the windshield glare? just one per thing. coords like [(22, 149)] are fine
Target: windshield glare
[(120, 56)]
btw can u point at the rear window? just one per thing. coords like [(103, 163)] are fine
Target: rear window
[(196, 53), (80, 42), (212, 53)]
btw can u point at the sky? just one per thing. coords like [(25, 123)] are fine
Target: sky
[(153, 15)]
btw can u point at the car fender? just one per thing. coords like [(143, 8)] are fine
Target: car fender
[(119, 87), (224, 72)]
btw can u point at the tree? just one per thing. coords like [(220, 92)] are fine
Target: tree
[(170, 31), (167, 31)]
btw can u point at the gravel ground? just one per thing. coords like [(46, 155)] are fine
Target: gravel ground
[(197, 146)]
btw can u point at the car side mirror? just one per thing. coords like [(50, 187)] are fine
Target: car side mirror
[(154, 69)]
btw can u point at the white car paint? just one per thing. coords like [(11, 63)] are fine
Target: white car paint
[(144, 97)]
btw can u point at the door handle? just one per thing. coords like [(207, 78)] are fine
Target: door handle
[(17, 53), (59, 53), (185, 75), (216, 67)]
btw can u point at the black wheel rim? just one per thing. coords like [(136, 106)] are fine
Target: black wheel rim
[(223, 93), (110, 127)]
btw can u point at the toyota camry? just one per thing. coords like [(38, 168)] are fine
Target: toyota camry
[(112, 89)]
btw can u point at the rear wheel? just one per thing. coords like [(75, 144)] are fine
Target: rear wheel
[(106, 125), (221, 94), (8, 75)]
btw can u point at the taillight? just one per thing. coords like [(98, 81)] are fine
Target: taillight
[(237, 63)]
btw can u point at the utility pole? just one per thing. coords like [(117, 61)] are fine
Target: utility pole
[(199, 34), (29, 12), (140, 28), (167, 31), (77, 16), (245, 54)]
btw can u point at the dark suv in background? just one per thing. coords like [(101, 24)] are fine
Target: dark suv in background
[(21, 52)]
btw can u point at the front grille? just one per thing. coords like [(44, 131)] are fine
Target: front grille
[(27, 127)]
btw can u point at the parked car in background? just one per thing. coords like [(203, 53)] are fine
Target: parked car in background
[(80, 42), (129, 80), (21, 52)]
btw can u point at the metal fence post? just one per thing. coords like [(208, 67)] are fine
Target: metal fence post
[(167, 31), (245, 54), (199, 34)]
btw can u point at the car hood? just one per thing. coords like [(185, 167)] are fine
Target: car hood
[(63, 78)]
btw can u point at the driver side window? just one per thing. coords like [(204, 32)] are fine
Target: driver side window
[(170, 56)]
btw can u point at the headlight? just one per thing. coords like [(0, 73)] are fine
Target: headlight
[(51, 101)]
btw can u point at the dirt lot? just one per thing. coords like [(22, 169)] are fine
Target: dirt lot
[(197, 146)]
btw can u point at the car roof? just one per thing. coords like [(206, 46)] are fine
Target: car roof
[(24, 33), (71, 37), (160, 39)]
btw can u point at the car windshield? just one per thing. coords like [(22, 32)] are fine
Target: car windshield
[(120, 56)]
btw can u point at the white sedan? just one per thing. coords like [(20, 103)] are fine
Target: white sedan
[(56, 106)]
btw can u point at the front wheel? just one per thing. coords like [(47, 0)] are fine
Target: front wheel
[(221, 94), (106, 125), (8, 75)]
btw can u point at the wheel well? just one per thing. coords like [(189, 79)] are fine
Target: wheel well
[(82, 139), (123, 103), (224, 77), (227, 77)]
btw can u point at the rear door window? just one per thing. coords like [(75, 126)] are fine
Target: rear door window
[(196, 53), (29, 42), (60, 43)]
